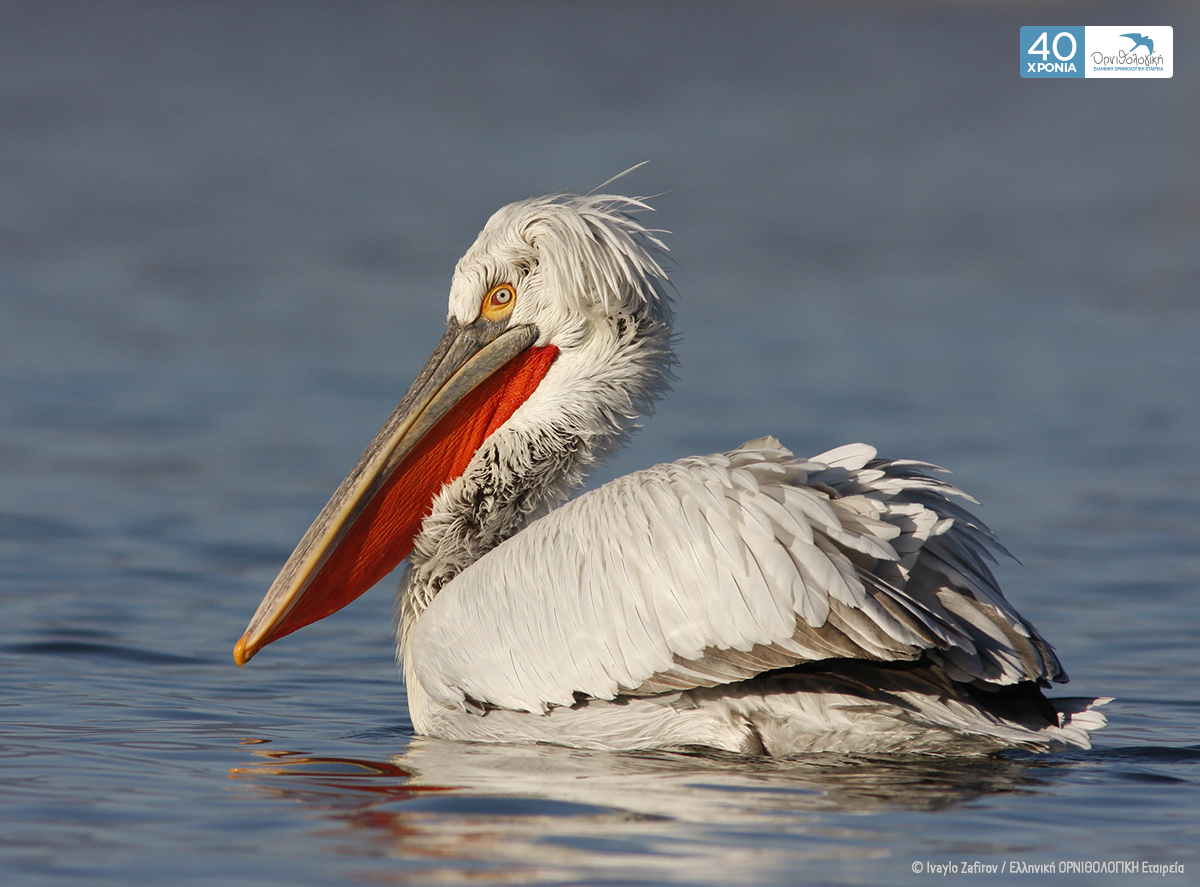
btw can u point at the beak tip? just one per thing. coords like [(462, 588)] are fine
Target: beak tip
[(240, 654)]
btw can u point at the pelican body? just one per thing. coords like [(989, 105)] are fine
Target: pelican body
[(748, 601)]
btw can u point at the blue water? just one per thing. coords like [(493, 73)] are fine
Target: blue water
[(226, 234)]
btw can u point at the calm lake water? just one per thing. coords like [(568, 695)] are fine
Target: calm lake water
[(226, 235)]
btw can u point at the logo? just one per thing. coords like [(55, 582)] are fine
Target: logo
[(1097, 51), (1139, 40)]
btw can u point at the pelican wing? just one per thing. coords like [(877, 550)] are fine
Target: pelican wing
[(715, 569)]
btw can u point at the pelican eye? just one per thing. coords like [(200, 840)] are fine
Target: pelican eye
[(498, 303)]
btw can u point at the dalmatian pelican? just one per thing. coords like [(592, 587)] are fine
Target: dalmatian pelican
[(748, 601)]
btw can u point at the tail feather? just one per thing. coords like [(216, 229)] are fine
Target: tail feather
[(852, 706), (1077, 717)]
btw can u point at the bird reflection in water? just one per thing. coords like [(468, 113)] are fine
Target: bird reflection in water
[(557, 809)]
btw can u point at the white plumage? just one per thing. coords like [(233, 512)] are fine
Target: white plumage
[(701, 572), (747, 601)]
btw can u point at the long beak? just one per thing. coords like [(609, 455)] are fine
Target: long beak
[(477, 377)]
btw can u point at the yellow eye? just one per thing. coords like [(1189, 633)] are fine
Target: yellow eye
[(499, 301)]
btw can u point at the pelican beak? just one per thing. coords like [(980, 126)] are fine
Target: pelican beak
[(477, 377)]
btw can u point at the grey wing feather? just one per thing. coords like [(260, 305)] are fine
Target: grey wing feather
[(715, 569)]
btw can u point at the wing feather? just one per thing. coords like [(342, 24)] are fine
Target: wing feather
[(715, 569)]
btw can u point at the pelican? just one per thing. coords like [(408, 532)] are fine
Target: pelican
[(747, 601)]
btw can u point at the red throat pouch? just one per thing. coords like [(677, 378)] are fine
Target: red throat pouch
[(384, 532)]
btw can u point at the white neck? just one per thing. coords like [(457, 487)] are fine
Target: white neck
[(582, 412)]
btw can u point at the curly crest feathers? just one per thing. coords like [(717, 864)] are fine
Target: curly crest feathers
[(586, 251)]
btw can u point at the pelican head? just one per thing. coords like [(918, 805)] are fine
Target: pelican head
[(558, 338)]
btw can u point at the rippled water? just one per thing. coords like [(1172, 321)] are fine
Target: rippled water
[(225, 238)]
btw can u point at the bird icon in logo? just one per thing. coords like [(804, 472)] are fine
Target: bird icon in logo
[(1139, 40)]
